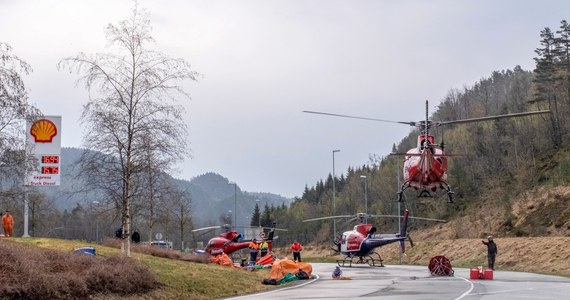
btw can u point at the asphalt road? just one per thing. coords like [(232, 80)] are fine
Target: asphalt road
[(415, 282)]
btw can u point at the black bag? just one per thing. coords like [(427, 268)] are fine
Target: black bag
[(302, 274), (269, 281)]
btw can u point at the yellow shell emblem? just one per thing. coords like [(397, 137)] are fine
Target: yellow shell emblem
[(43, 131)]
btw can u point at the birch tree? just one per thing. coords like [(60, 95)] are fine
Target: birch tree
[(14, 110), (133, 102)]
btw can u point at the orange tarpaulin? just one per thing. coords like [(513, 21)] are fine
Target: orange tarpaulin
[(283, 266), (223, 259), (265, 260)]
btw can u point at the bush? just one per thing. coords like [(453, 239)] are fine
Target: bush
[(28, 272)]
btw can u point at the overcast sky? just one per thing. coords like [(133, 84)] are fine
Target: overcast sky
[(264, 62)]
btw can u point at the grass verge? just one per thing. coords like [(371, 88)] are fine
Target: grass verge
[(179, 279)]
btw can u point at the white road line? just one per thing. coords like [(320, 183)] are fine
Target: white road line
[(468, 291), (276, 290)]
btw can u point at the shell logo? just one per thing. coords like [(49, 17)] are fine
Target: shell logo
[(43, 131)]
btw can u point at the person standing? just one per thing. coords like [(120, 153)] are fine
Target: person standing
[(8, 224), (296, 248), (253, 248), (491, 252), (136, 237), (263, 248)]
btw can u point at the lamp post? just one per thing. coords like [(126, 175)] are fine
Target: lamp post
[(365, 198), (235, 203), (96, 203), (334, 195), (399, 220)]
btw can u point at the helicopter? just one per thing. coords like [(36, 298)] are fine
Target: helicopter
[(230, 241), (425, 167), (358, 245)]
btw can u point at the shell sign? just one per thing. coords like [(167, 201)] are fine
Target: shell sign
[(44, 137), (43, 131)]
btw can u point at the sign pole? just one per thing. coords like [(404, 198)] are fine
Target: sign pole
[(26, 209)]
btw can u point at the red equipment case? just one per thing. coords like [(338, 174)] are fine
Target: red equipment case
[(474, 273), (488, 274), (479, 273)]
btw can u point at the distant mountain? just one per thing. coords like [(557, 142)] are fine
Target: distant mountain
[(212, 194)]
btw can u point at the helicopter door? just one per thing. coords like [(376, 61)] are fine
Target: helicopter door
[(343, 245)]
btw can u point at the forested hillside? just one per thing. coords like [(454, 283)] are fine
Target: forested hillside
[(510, 178)]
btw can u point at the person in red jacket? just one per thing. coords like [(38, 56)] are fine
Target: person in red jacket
[(8, 224), (296, 248)]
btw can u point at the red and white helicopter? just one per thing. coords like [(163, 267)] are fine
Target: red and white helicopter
[(359, 245), (425, 167), (230, 241)]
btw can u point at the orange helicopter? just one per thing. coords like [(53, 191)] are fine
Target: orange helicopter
[(425, 167)]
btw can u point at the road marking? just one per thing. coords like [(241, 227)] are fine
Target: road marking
[(468, 291), (276, 290)]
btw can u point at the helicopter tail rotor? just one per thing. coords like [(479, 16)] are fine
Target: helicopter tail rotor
[(411, 241), (442, 145)]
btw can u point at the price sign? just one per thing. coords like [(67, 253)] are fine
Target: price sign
[(44, 137), (50, 170), (50, 159)]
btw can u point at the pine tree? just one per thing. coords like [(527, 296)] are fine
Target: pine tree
[(545, 79), (255, 218)]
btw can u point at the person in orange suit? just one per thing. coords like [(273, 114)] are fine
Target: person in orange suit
[(253, 248), (8, 224)]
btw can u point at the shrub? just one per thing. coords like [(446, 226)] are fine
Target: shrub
[(28, 272)]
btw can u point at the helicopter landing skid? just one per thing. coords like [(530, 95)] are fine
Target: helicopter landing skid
[(425, 193), (347, 261), (449, 192)]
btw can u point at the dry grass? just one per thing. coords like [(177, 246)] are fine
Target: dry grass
[(32, 273), (178, 275)]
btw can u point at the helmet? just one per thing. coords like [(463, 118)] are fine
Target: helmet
[(490, 238)]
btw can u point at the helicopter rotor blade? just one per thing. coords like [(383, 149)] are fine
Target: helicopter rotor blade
[(331, 217), (416, 218), (207, 228), (361, 118), (271, 228), (439, 123)]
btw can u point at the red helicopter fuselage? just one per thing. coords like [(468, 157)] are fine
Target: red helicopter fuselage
[(425, 167), (228, 243)]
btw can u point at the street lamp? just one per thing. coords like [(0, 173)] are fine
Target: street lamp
[(96, 203), (365, 198), (334, 195), (235, 203)]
